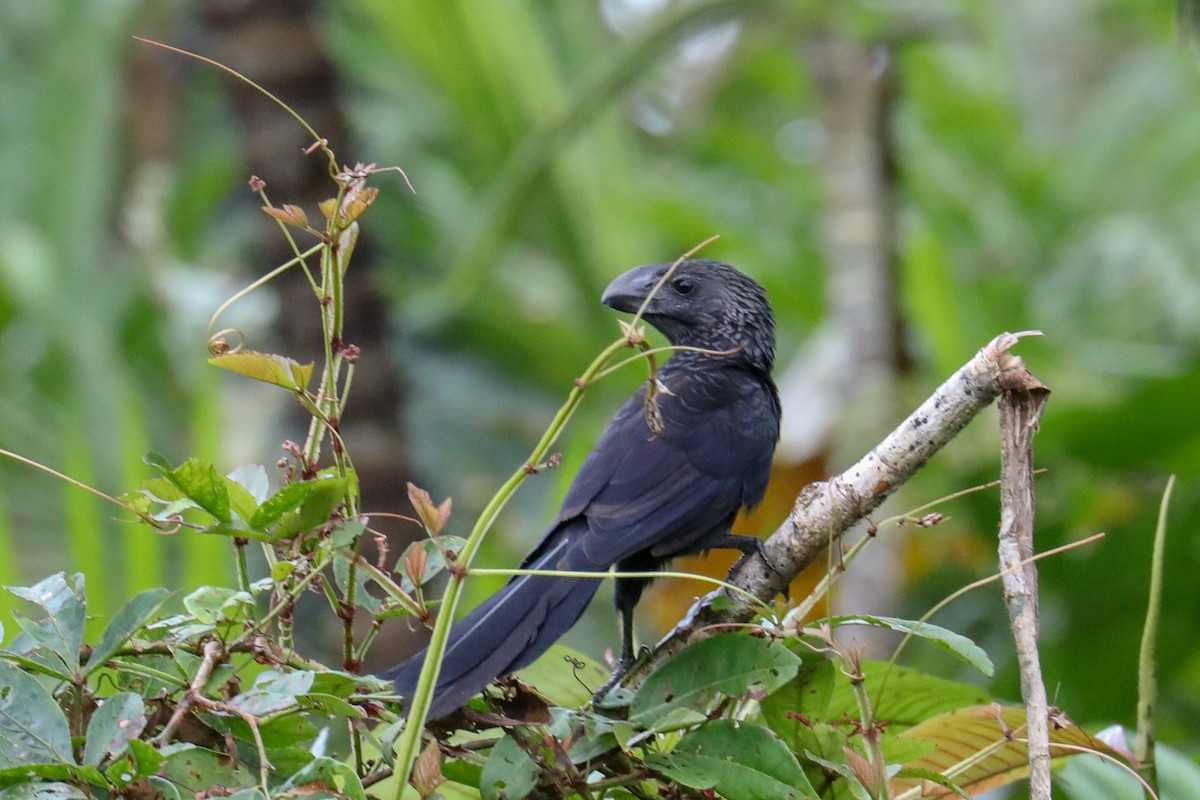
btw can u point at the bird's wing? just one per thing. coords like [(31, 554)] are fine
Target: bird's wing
[(669, 491)]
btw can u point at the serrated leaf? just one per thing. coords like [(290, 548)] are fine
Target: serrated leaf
[(740, 761), (266, 367), (286, 499), (119, 718), (202, 484), (981, 736), (126, 622), (729, 664), (323, 496), (954, 643), (32, 726)]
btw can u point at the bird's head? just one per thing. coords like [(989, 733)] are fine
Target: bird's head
[(704, 304)]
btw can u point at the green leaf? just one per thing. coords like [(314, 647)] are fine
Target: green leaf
[(556, 676), (839, 766), (322, 497), (197, 769), (902, 696), (315, 500), (240, 499), (792, 710), (118, 719), (266, 367), (954, 643), (729, 664), (42, 791), (273, 691), (362, 597), (338, 776), (509, 773), (740, 761), (286, 499), (146, 759), (167, 788), (126, 622), (65, 607), (210, 604), (201, 482), (32, 726)]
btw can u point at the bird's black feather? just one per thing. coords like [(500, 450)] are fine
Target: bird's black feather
[(641, 497)]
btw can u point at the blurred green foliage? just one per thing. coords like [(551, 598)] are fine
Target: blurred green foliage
[(1046, 178)]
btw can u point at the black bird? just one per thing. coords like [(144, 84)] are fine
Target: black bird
[(641, 497)]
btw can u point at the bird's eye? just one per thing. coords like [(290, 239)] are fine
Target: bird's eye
[(683, 285)]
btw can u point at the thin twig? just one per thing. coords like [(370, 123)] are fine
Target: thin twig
[(212, 650)]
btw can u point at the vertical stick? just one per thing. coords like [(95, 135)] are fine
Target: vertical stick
[(1147, 684), (1021, 407)]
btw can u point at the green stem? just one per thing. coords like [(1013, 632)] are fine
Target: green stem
[(243, 570), (1147, 684), (409, 741)]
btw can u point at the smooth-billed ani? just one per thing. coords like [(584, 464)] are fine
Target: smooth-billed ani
[(640, 498)]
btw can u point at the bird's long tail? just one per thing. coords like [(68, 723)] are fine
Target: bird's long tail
[(507, 632)]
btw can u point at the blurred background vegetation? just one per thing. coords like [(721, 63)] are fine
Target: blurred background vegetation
[(907, 180)]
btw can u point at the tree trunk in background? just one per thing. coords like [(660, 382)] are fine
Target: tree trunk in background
[(280, 46), (855, 82)]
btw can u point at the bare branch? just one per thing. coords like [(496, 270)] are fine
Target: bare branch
[(826, 510), (1020, 409)]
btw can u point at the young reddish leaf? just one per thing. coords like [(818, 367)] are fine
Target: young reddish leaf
[(427, 772), (327, 207), (414, 563), (266, 367), (434, 517), (288, 215), (354, 208)]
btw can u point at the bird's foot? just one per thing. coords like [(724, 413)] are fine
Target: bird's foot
[(620, 669)]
